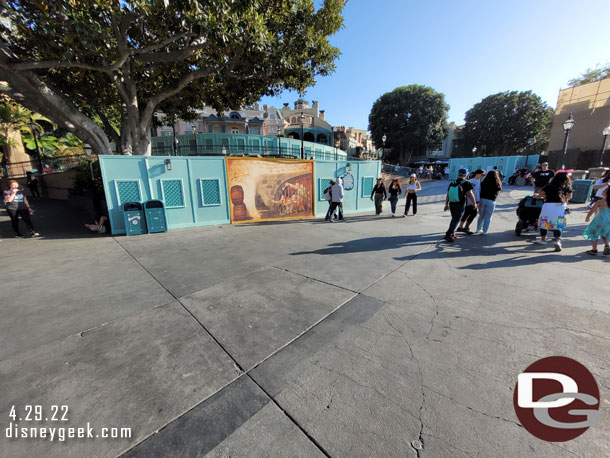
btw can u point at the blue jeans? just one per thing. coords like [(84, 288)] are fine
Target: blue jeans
[(486, 209), (457, 210)]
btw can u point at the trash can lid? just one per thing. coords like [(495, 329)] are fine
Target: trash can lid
[(129, 206), (153, 204)]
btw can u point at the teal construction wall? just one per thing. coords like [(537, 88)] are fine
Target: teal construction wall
[(506, 164), (195, 191)]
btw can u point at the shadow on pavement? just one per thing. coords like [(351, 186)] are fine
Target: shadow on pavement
[(53, 219)]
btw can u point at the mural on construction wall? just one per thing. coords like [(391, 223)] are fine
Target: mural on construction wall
[(267, 189)]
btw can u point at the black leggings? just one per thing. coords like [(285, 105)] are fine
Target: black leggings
[(556, 233), (25, 216), (470, 213), (411, 197)]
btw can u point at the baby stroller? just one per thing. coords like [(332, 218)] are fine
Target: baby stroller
[(528, 212)]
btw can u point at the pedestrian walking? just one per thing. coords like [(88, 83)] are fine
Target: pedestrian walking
[(395, 191), (600, 226), (556, 194), (412, 187), (470, 212), (455, 201), (328, 197), (32, 183), (542, 176), (337, 199), (600, 187), (490, 188), (17, 205), (379, 194)]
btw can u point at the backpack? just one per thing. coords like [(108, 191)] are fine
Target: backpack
[(455, 192), (327, 193)]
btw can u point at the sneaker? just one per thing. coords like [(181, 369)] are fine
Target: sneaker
[(558, 245), (540, 242), (607, 251), (454, 237), (592, 252), (468, 232), (393, 215), (34, 234), (18, 236), (404, 216), (460, 229), (448, 238)]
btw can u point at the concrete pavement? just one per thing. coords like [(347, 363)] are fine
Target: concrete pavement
[(299, 339)]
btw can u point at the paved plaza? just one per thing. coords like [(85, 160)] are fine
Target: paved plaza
[(363, 339)]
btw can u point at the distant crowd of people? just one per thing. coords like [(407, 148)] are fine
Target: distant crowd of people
[(468, 197)]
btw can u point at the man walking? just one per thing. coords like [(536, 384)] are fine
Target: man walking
[(542, 177), (470, 212), (328, 196), (337, 198), (455, 201)]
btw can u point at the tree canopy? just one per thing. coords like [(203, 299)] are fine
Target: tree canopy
[(413, 118), (119, 62), (591, 75), (508, 122)]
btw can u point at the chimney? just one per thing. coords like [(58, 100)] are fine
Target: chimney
[(314, 106), (321, 112), (256, 106), (285, 106), (265, 107)]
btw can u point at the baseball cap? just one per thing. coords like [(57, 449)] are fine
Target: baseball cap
[(462, 172)]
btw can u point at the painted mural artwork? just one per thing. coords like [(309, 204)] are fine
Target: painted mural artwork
[(268, 189)]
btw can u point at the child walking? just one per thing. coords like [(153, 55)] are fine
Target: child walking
[(600, 226)]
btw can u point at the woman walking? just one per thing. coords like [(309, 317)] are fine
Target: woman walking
[(17, 205), (395, 191), (412, 187), (490, 188), (380, 195), (600, 226), (556, 195)]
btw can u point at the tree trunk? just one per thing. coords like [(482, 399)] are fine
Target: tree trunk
[(14, 153), (32, 93)]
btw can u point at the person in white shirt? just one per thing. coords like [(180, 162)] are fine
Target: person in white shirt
[(470, 212), (600, 186), (337, 199)]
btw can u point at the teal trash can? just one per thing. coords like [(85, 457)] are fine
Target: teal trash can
[(155, 216), (581, 191), (133, 216)]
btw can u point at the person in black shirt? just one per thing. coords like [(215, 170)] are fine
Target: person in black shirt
[(455, 201), (542, 177), (17, 206), (395, 191), (556, 194), (490, 188), (380, 195)]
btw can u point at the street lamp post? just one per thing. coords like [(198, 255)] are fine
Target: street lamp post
[(474, 151), (302, 119), (383, 139), (605, 133), (176, 141), (568, 124), (33, 127)]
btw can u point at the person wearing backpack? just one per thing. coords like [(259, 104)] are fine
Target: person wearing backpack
[(455, 201)]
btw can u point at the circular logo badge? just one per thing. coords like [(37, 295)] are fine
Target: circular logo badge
[(348, 182), (556, 399)]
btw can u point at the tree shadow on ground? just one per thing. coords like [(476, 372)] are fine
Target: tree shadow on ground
[(373, 244)]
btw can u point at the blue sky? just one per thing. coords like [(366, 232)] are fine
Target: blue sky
[(465, 49)]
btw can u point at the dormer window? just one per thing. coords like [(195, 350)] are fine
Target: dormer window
[(234, 115)]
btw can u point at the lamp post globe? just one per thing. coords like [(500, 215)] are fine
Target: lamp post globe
[(568, 125), (605, 134), (383, 139)]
